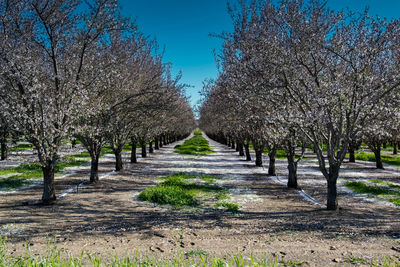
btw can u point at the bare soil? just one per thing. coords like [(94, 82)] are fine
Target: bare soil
[(108, 219)]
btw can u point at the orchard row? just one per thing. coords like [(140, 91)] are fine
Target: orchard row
[(296, 74), (80, 69)]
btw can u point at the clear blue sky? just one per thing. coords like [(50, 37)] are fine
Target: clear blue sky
[(183, 27)]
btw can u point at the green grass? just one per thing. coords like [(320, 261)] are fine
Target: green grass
[(54, 256), (180, 191), (197, 145), (25, 173), (231, 207), (389, 159), (391, 194), (21, 147)]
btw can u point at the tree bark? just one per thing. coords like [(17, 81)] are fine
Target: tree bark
[(352, 154), (272, 160), (49, 192), (247, 150), (133, 151), (292, 167), (241, 150), (378, 158), (144, 152), (151, 150), (395, 144), (259, 149), (156, 146), (4, 149), (160, 142), (332, 203), (94, 168), (118, 159), (164, 140)]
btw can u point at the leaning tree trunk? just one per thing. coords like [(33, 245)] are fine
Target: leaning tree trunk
[(133, 151), (94, 168), (376, 148), (118, 159), (3, 150), (272, 159), (143, 145), (247, 150), (49, 190)]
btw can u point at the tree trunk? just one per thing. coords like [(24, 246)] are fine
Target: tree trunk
[(378, 158), (259, 149), (118, 159), (49, 191), (133, 151), (94, 168), (292, 167), (241, 150), (143, 145), (156, 146), (164, 140), (160, 142), (237, 146), (247, 150), (395, 148), (352, 154), (151, 150), (332, 203), (272, 159), (3, 150)]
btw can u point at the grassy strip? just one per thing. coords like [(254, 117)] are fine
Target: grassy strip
[(24, 174), (389, 159), (20, 147), (55, 256), (197, 145), (390, 194), (177, 191)]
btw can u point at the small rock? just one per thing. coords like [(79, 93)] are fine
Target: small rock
[(194, 234), (338, 260), (113, 247), (160, 249), (152, 248), (332, 248), (282, 253), (397, 249), (192, 243), (312, 251)]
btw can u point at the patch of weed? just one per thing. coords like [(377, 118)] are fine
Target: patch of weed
[(197, 145), (356, 260), (197, 252), (231, 207), (177, 190)]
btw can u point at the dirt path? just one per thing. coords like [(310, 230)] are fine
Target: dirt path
[(109, 219)]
